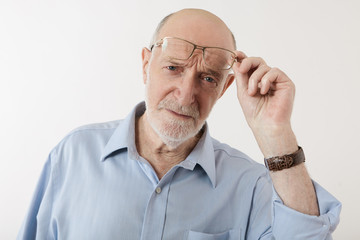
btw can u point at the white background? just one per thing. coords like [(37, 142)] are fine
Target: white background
[(71, 62)]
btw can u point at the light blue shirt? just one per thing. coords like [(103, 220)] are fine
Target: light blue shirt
[(95, 185)]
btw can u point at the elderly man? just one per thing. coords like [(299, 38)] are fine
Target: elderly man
[(159, 175)]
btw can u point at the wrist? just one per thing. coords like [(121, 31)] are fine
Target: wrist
[(275, 140), (287, 161)]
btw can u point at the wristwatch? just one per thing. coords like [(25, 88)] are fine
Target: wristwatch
[(286, 161)]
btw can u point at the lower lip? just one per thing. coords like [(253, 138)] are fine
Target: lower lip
[(179, 115)]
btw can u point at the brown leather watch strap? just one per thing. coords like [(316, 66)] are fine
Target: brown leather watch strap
[(286, 161)]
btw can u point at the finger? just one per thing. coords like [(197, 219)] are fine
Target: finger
[(268, 79), (256, 77), (272, 78), (241, 78), (250, 63), (240, 56)]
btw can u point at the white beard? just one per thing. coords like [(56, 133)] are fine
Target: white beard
[(173, 132)]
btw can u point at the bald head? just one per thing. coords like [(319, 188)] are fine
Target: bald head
[(197, 25)]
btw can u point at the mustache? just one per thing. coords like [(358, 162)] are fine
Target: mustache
[(192, 111)]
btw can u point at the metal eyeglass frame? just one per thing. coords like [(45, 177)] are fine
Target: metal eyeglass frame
[(159, 43)]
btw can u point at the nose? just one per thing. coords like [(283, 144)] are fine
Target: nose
[(187, 88)]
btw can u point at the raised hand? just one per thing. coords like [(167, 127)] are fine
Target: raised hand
[(266, 96)]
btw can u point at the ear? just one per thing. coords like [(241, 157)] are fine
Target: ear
[(145, 55), (229, 80)]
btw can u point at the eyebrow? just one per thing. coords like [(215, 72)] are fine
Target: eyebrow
[(170, 60), (175, 61), (210, 71), (215, 73)]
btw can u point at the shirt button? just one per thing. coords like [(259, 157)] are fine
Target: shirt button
[(158, 190)]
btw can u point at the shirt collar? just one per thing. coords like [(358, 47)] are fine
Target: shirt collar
[(124, 137), (203, 154), (124, 134)]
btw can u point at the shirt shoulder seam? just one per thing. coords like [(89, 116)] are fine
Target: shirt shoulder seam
[(248, 159)]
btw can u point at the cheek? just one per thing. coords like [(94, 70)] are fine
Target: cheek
[(208, 100), (155, 89), (206, 103)]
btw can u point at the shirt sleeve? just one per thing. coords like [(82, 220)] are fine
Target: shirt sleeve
[(288, 222), (40, 203)]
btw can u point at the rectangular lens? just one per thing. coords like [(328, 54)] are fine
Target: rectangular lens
[(218, 58), (176, 48)]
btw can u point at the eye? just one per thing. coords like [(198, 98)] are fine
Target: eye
[(209, 82), (171, 68), (209, 79)]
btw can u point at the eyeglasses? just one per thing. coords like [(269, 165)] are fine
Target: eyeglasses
[(179, 49)]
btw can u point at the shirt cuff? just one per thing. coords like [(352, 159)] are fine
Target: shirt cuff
[(289, 222)]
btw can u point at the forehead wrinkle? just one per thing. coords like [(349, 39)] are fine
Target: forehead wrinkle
[(203, 67), (192, 61)]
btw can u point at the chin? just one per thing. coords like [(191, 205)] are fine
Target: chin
[(173, 132)]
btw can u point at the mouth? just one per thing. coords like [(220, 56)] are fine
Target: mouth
[(179, 115)]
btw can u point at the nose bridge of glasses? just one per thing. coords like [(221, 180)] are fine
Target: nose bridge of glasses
[(200, 48), (205, 55)]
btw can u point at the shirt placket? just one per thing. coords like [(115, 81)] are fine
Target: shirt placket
[(155, 214)]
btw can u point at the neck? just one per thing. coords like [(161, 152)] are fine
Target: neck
[(161, 157)]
